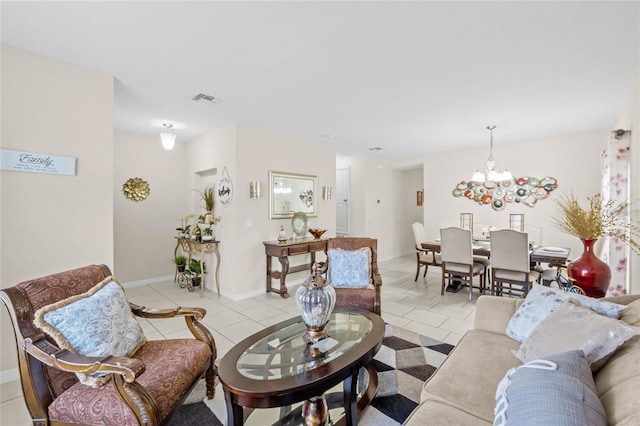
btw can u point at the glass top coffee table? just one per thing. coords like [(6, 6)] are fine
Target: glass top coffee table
[(276, 367)]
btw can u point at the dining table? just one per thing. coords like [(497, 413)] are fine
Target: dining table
[(538, 254)]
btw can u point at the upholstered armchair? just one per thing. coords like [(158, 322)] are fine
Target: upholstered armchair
[(145, 387), (353, 273)]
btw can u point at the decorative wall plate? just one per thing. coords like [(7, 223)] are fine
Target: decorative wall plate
[(225, 188), (524, 190), (300, 223), (136, 189)]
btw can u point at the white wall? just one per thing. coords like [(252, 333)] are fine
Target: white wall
[(573, 159), (52, 223), (249, 152), (144, 230)]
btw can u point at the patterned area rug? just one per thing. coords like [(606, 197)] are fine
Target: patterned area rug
[(404, 362)]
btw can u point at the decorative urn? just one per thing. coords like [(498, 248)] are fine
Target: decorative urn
[(315, 300)]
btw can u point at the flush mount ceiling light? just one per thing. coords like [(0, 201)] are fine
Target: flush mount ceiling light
[(490, 172), (167, 136)]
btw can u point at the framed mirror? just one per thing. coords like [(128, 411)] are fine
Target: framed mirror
[(290, 193)]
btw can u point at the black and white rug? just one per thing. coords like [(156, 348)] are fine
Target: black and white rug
[(405, 360)]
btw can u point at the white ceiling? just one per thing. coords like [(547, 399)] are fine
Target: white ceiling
[(410, 77)]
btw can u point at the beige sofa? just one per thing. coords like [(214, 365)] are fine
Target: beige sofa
[(462, 390)]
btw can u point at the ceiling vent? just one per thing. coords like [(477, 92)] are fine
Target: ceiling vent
[(201, 97)]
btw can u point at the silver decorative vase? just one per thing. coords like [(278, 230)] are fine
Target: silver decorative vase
[(315, 300)]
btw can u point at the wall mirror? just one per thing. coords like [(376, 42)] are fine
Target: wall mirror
[(290, 193)]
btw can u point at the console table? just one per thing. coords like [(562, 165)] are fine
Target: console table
[(190, 247), (282, 250)]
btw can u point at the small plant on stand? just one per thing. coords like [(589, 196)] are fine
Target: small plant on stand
[(195, 273), (181, 263), (208, 234)]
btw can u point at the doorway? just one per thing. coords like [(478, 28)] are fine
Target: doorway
[(342, 201)]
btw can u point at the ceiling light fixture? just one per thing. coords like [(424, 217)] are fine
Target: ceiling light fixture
[(491, 173), (167, 136)]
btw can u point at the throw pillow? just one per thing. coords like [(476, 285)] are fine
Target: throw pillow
[(556, 390), (350, 268), (541, 301), (572, 327), (97, 323)]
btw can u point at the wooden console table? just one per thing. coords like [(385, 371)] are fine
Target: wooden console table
[(200, 248), (282, 250)]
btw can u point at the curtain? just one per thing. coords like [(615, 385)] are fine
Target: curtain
[(615, 186)]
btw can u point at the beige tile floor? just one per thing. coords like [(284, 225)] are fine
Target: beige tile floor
[(416, 306)]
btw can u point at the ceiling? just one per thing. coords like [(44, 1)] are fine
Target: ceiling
[(408, 77)]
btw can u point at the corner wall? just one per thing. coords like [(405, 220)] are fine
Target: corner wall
[(51, 223)]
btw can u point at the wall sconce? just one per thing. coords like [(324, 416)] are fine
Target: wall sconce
[(254, 190), (326, 192), (167, 136), (420, 198)]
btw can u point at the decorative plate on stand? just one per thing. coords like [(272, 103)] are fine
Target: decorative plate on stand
[(300, 223)]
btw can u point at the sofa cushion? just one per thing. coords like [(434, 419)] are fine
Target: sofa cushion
[(618, 380), (469, 376), (96, 323), (541, 301), (556, 390), (572, 326), (170, 367)]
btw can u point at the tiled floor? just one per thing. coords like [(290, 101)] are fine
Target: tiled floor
[(416, 306)]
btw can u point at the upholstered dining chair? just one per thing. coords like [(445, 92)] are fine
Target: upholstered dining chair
[(59, 317), (424, 257), (457, 259), (511, 272), (353, 272)]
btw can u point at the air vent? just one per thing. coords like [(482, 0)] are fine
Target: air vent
[(201, 97)]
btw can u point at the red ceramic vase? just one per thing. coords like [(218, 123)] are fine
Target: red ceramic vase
[(589, 272)]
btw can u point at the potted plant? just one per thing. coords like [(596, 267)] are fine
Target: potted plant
[(598, 218), (195, 272), (207, 197), (181, 263), (207, 234)]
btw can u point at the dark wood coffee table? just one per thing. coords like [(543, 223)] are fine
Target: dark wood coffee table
[(276, 367)]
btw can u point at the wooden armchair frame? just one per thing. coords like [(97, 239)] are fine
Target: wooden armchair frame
[(36, 350)]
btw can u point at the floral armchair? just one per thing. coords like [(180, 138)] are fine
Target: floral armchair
[(146, 387)]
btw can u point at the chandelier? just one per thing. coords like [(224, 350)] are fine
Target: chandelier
[(496, 186), (167, 136), (491, 173)]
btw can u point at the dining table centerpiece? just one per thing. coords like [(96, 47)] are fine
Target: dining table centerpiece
[(598, 218)]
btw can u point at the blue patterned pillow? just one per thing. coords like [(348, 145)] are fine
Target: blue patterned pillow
[(96, 323), (350, 268), (556, 390)]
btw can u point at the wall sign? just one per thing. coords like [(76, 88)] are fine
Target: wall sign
[(22, 161), (225, 189)]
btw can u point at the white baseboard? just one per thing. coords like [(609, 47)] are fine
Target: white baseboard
[(10, 375), (147, 281)]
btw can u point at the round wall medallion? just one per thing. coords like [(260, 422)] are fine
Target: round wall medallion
[(136, 189)]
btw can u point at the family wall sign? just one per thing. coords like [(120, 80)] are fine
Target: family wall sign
[(22, 161)]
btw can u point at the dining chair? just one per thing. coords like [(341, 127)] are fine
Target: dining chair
[(424, 257), (511, 272), (457, 259)]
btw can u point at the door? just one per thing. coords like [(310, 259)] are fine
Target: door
[(342, 201)]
